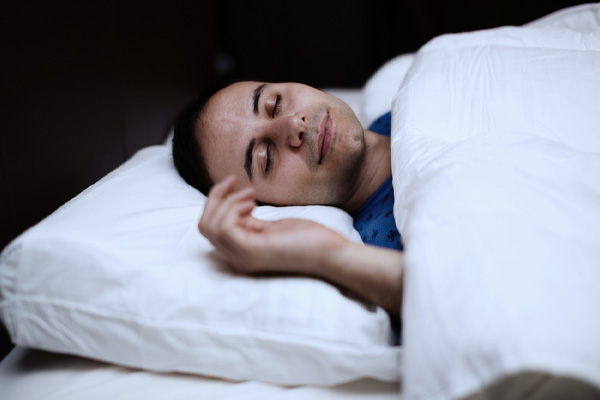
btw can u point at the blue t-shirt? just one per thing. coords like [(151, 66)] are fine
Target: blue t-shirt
[(374, 220)]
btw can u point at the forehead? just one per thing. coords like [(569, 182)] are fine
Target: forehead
[(225, 128), (237, 94)]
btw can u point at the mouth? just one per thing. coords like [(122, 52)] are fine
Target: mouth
[(324, 138)]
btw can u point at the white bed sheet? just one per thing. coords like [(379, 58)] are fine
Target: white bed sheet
[(36, 375)]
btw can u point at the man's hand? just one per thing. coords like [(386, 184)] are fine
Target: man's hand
[(251, 245)]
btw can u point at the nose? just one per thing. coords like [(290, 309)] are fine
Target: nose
[(294, 130)]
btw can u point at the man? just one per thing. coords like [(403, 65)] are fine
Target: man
[(287, 144)]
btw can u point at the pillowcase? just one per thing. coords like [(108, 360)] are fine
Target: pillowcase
[(121, 274)]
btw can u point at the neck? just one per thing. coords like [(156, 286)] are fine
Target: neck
[(375, 169)]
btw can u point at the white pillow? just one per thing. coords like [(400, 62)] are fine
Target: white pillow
[(352, 97), (379, 91), (121, 274)]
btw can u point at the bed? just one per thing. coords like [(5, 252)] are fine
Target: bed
[(496, 166)]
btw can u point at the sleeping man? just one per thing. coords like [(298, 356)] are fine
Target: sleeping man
[(290, 144)]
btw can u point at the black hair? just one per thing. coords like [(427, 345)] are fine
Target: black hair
[(187, 153)]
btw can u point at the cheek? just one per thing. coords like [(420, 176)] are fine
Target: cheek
[(292, 180), (288, 187), (224, 158), (216, 170)]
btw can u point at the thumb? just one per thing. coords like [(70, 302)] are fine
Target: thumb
[(254, 224)]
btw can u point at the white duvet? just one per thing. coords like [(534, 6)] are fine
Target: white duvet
[(496, 170)]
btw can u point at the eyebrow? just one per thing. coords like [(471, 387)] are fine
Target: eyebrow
[(248, 158), (256, 97)]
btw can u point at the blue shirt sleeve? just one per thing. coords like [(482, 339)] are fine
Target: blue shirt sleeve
[(382, 125)]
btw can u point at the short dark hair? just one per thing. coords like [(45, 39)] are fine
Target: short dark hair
[(187, 153)]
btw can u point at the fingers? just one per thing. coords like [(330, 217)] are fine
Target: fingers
[(218, 192), (254, 224), (227, 222), (222, 188), (226, 211), (232, 206)]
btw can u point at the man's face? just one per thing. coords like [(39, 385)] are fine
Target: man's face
[(295, 144)]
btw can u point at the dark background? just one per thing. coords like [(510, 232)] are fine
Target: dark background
[(84, 85)]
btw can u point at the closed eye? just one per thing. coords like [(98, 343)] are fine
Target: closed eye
[(269, 164), (277, 106)]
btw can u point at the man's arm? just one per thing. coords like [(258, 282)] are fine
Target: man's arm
[(299, 246), (374, 273)]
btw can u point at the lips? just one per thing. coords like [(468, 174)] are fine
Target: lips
[(325, 137)]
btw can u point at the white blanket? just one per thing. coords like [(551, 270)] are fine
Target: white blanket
[(496, 170)]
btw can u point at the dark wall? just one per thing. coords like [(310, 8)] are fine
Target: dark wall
[(83, 86), (342, 42)]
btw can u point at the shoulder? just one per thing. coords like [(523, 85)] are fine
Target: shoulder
[(382, 125)]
